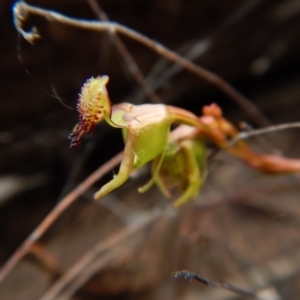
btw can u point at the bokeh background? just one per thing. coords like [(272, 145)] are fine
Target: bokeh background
[(244, 226)]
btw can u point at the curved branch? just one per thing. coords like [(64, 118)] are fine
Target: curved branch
[(21, 10)]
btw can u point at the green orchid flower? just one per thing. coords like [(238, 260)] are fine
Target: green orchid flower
[(178, 156), (146, 131)]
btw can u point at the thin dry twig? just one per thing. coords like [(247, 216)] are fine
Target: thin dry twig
[(266, 293), (44, 259), (56, 212), (226, 286), (255, 132), (133, 67), (22, 10)]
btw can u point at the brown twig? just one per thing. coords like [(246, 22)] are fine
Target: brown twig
[(226, 286), (250, 133), (56, 212), (22, 10), (45, 259)]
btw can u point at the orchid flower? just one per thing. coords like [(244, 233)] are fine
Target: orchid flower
[(178, 156)]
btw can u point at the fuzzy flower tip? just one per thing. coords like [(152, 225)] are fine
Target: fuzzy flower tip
[(93, 100)]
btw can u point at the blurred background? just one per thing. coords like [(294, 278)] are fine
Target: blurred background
[(244, 226)]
